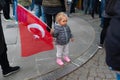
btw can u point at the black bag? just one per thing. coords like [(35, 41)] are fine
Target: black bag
[(2, 4), (110, 7)]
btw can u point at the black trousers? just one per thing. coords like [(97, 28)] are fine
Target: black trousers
[(4, 61), (104, 30), (49, 19), (3, 50), (50, 13), (74, 3), (6, 10)]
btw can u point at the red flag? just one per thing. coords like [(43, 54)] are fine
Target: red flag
[(34, 36)]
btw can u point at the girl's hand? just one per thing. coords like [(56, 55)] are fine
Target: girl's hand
[(52, 31), (54, 39), (72, 39)]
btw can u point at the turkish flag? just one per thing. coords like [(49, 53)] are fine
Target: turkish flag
[(34, 36)]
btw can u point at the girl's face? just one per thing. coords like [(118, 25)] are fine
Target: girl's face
[(63, 21)]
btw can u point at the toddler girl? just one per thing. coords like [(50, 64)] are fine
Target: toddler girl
[(62, 35)]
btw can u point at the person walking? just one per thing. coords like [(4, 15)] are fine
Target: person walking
[(62, 35), (104, 31), (5, 66), (73, 5), (69, 3), (106, 21), (94, 5), (86, 6), (101, 10)]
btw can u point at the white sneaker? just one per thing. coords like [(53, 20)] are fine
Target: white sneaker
[(100, 46)]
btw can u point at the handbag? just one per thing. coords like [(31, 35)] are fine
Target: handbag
[(110, 7), (2, 4)]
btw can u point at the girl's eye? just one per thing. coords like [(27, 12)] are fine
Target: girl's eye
[(65, 21)]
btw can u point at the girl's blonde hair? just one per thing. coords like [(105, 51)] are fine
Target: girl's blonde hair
[(59, 16)]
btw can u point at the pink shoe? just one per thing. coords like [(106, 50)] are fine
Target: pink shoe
[(59, 62), (66, 58)]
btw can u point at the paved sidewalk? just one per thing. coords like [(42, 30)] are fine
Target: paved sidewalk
[(94, 69), (42, 66)]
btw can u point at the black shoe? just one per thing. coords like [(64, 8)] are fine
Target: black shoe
[(92, 15), (11, 70)]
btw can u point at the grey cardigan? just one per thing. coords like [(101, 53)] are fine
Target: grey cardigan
[(62, 34)]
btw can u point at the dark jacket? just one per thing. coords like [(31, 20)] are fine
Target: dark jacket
[(2, 4), (38, 2), (112, 41), (53, 6), (62, 34)]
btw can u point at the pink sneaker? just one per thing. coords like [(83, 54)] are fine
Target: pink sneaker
[(66, 58), (59, 62)]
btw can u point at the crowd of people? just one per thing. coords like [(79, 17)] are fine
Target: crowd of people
[(91, 7), (55, 14)]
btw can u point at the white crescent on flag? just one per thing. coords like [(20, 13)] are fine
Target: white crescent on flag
[(38, 27)]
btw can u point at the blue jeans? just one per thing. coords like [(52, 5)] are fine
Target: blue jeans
[(32, 5), (102, 8), (15, 2), (86, 6), (39, 12), (91, 5)]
